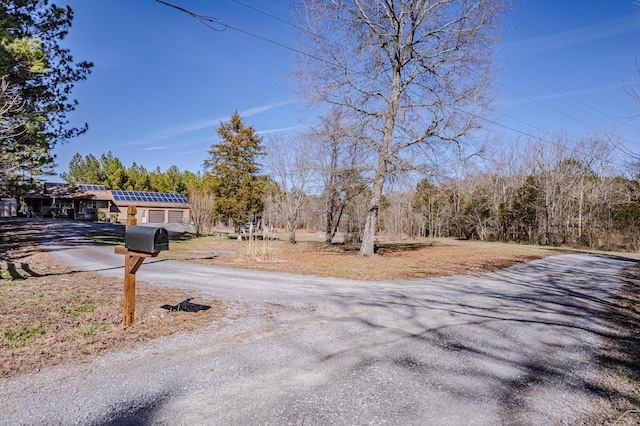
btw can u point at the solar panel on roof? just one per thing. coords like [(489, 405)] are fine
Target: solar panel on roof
[(85, 187), (153, 197)]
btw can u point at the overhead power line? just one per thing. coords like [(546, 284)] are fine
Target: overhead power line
[(562, 93), (207, 20), (573, 98)]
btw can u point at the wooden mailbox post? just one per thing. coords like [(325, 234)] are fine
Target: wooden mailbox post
[(132, 261)]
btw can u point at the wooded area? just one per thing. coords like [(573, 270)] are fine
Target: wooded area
[(112, 174), (561, 191), (393, 148)]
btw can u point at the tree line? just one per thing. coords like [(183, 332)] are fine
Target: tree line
[(560, 191), (546, 194), (111, 173)]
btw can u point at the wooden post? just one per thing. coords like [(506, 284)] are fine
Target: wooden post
[(129, 276), (132, 261), (131, 216)]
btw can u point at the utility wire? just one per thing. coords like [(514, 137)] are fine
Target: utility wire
[(284, 21), (269, 15), (573, 98), (224, 25), (499, 83), (206, 19), (624, 150)]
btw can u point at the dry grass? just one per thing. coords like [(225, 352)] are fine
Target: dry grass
[(49, 320), (403, 260), (50, 315), (619, 355)]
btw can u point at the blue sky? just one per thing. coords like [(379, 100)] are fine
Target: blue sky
[(163, 81)]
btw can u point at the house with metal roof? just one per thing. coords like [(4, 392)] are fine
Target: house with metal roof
[(94, 202)]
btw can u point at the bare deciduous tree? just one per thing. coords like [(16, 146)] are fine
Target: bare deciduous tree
[(413, 73), (631, 86), (340, 165), (9, 104), (289, 165), (201, 213)]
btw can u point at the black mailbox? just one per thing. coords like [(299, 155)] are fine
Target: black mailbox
[(146, 239)]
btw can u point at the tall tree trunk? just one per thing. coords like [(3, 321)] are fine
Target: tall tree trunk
[(333, 193), (334, 230), (580, 209), (368, 236), (384, 155)]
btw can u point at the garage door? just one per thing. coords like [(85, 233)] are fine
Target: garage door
[(175, 216), (156, 216)]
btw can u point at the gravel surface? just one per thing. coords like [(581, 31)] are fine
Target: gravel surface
[(513, 347)]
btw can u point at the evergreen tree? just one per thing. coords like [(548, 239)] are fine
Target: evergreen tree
[(428, 204), (138, 178), (116, 174), (232, 171), (36, 79), (174, 179), (158, 181), (110, 172), (192, 181), (85, 170)]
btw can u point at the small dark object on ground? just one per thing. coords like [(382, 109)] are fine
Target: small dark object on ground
[(186, 306)]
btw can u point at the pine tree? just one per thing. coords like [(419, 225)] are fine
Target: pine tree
[(85, 170), (37, 76), (232, 171)]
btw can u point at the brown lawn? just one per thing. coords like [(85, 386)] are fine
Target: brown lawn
[(394, 260)]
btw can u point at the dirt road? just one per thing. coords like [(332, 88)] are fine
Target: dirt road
[(514, 347)]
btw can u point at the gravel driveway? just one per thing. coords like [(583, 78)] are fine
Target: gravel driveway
[(513, 347)]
